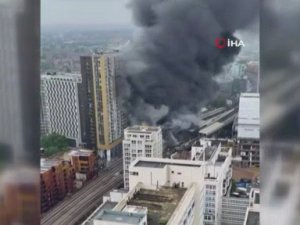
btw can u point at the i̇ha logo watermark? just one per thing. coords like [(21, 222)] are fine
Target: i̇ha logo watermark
[(226, 42)]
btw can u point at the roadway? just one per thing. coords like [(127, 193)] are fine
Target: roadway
[(77, 207)]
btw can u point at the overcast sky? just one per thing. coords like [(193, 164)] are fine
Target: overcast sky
[(85, 12)]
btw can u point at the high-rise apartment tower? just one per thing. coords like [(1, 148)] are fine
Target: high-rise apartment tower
[(100, 108)]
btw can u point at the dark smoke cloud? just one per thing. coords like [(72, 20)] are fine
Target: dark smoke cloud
[(169, 68)]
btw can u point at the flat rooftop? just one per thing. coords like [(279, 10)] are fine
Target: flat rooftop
[(225, 149), (182, 154), (209, 152), (142, 129), (160, 203), (81, 152), (221, 159), (108, 205), (162, 164), (120, 217), (64, 76), (135, 209), (253, 218), (47, 164)]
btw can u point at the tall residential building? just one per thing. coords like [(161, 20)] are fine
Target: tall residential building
[(60, 105), (248, 132), (100, 109), (140, 141), (87, 100)]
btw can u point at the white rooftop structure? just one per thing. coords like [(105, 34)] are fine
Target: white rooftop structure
[(172, 192), (110, 217), (210, 173), (249, 116)]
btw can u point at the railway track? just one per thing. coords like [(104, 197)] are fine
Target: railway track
[(73, 209)]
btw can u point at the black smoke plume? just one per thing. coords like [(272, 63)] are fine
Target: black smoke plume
[(170, 67)]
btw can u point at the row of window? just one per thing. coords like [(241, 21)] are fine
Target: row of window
[(210, 187), (136, 136), (133, 173), (178, 173)]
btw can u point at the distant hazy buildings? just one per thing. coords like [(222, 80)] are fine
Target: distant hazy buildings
[(237, 70), (60, 105), (248, 132), (140, 141), (100, 110), (239, 85)]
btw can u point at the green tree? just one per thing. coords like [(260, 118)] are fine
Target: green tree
[(54, 143)]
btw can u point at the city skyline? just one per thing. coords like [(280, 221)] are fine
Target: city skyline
[(182, 142), (102, 13)]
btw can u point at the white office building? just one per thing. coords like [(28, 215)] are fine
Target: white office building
[(218, 174), (140, 141), (60, 105), (248, 128), (171, 192), (209, 176)]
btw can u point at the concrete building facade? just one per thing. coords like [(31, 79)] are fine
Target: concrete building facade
[(88, 65), (234, 210), (159, 176), (248, 129), (253, 211), (171, 192), (60, 106), (57, 180), (84, 163), (210, 174), (140, 141), (218, 174)]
